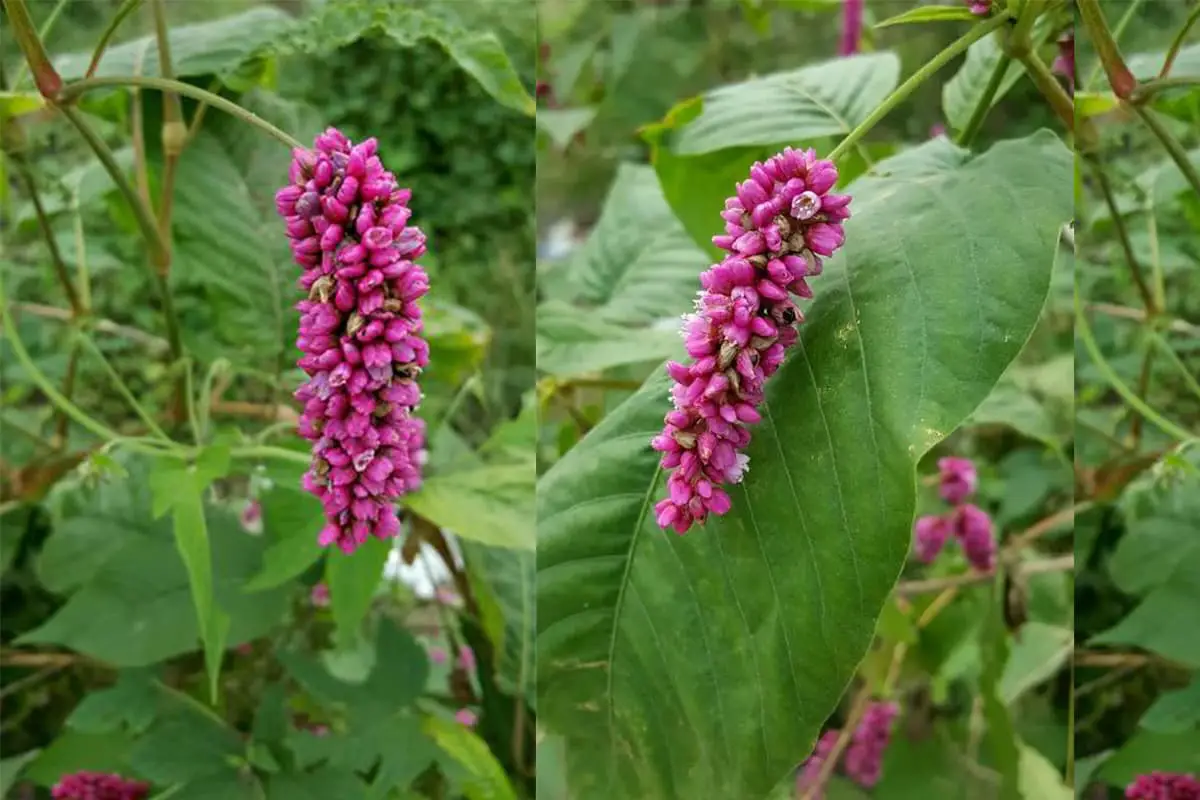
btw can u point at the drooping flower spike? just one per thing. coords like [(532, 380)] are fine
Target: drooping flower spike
[(778, 227), (360, 332)]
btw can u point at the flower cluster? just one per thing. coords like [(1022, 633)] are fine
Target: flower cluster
[(1163, 786), (852, 25), (968, 523), (810, 772), (1064, 62), (864, 757), (863, 761), (98, 786), (778, 227), (360, 332), (980, 8)]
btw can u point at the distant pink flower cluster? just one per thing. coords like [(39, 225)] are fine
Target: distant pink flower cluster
[(968, 523), (319, 596), (863, 762), (1064, 62), (778, 227), (98, 786), (466, 717), (1163, 786), (852, 27), (980, 8), (360, 332)]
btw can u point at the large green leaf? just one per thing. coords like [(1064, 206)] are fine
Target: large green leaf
[(476, 50), (353, 580), (217, 47), (825, 99), (491, 504), (705, 145), (637, 267), (705, 665), (638, 262), (1175, 712), (131, 602), (962, 93), (1146, 752)]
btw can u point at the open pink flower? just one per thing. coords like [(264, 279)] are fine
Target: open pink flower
[(360, 332), (778, 227)]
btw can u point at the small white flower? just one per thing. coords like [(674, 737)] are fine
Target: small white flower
[(739, 469)]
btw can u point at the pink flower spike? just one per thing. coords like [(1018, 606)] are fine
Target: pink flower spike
[(1164, 786), (98, 786), (466, 659), (852, 27), (778, 225), (810, 770), (359, 335), (929, 537), (319, 596), (437, 655), (864, 756), (251, 517), (973, 527), (466, 717)]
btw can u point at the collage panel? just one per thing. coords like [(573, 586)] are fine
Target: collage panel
[(820, 545), (1137, 415), (268, 436)]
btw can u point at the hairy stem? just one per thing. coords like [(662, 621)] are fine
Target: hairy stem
[(49, 83), (1110, 376), (1135, 267), (1119, 77), (124, 11), (77, 88), (919, 77), (979, 113), (145, 220), (1050, 88), (1177, 43), (1171, 144)]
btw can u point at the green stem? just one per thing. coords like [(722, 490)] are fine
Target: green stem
[(49, 83), (47, 26), (47, 387), (56, 258), (1050, 88), (264, 451), (189, 399), (124, 11), (1020, 40), (1119, 77), (204, 401), (1147, 90), (145, 220), (985, 101), (1135, 267), (1178, 42), (1114, 381), (123, 389), (1174, 358), (77, 88), (1172, 145), (1122, 23), (905, 89)]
